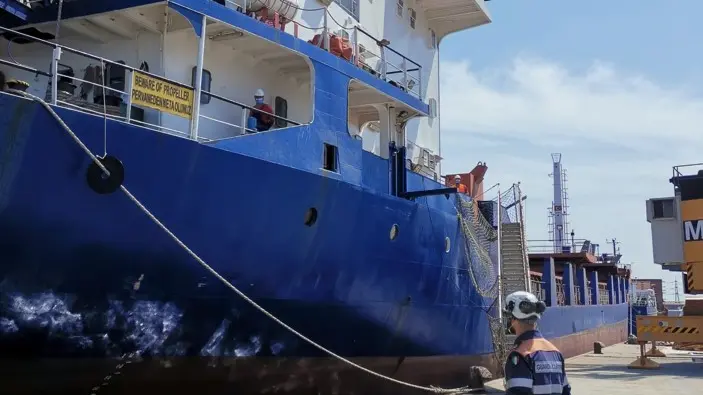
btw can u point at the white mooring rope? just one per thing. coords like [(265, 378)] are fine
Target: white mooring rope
[(229, 285)]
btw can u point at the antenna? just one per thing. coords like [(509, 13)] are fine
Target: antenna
[(615, 243)]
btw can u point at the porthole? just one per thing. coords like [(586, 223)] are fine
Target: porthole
[(394, 231), (447, 244), (311, 216)]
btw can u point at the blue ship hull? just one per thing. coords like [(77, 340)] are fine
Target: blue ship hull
[(89, 284), (86, 276)]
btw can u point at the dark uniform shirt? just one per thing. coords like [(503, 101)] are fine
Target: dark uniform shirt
[(535, 367)]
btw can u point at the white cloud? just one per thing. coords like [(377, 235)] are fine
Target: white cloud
[(543, 101), (620, 133)]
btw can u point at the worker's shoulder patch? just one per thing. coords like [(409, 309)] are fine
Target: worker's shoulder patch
[(514, 359)]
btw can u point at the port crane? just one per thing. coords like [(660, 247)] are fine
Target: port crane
[(677, 243)]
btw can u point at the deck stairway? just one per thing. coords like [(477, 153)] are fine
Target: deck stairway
[(514, 265), (514, 259)]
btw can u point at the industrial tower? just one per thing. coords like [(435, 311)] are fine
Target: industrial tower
[(558, 213)]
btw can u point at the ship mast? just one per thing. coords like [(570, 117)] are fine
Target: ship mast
[(558, 213)]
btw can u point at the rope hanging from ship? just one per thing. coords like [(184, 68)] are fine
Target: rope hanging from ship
[(107, 174)]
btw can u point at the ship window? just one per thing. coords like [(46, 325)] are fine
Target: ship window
[(433, 107), (281, 110), (413, 17), (330, 158), (663, 208), (350, 6), (205, 84), (433, 39), (399, 5)]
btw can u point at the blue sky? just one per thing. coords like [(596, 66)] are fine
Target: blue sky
[(616, 87)]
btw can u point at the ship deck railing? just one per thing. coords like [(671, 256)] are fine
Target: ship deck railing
[(575, 246), (368, 52), (603, 295), (538, 289), (686, 170), (69, 100)]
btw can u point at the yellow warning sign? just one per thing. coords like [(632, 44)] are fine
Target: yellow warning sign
[(161, 95)]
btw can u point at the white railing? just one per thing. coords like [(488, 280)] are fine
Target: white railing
[(123, 111), (349, 42)]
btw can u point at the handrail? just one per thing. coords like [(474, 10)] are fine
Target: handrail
[(248, 107), (352, 32), (91, 56), (25, 68), (57, 99)]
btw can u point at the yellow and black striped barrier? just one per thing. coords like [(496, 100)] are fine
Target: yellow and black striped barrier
[(670, 329)]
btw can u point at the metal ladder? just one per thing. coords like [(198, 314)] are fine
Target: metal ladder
[(514, 259)]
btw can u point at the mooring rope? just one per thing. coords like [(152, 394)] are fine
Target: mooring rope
[(212, 271)]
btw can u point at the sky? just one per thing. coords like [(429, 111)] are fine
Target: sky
[(615, 87)]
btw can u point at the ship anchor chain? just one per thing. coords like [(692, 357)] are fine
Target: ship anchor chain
[(106, 171), (123, 361)]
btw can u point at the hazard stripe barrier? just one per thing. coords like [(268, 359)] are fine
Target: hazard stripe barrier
[(669, 329)]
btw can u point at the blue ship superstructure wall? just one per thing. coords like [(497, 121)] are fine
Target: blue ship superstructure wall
[(343, 282)]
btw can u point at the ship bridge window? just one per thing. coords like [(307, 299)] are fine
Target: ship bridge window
[(350, 6), (400, 5), (413, 17), (663, 208)]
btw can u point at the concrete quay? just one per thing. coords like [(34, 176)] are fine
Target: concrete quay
[(608, 373)]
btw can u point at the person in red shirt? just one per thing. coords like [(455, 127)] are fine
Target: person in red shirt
[(264, 118), (459, 186)]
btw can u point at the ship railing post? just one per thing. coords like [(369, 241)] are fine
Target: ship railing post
[(383, 62), (582, 281), (245, 118), (500, 261), (611, 289), (549, 278), (355, 46), (55, 58), (128, 92), (325, 32), (405, 74), (198, 80), (523, 236), (595, 291), (568, 281), (419, 82)]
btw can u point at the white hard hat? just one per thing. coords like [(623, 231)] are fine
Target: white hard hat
[(457, 177), (523, 305), (259, 93)]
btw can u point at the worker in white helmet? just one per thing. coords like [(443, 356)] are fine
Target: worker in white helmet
[(459, 186), (535, 365), (264, 117)]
